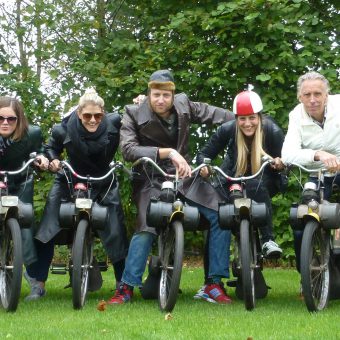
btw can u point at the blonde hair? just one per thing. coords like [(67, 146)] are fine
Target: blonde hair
[(90, 97), (256, 150)]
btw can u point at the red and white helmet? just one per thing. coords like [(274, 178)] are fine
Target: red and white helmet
[(247, 103)]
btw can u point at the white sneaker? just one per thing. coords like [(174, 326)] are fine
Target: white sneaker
[(201, 295), (36, 292), (271, 250)]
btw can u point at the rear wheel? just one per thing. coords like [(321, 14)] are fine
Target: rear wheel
[(82, 255), (10, 265), (171, 246), (248, 263), (315, 251)]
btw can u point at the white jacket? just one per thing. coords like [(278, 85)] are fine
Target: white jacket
[(304, 137)]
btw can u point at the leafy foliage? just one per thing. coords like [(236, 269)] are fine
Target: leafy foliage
[(51, 51)]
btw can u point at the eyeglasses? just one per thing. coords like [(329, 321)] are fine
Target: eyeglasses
[(10, 120), (88, 116)]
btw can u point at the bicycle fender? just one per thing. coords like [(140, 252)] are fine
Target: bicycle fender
[(176, 215)]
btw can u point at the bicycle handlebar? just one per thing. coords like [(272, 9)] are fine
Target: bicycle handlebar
[(16, 172), (322, 170), (148, 160), (113, 165), (242, 178)]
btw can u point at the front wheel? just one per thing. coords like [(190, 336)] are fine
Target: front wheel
[(248, 263), (11, 263), (171, 245), (82, 255), (315, 252)]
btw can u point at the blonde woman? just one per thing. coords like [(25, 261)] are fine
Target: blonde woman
[(245, 141), (90, 138)]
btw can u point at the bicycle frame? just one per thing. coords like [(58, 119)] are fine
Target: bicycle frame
[(243, 216), (83, 217), (81, 204), (14, 215), (315, 217), (168, 214), (11, 206)]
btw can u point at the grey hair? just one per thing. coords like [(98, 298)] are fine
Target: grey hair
[(90, 97), (311, 76)]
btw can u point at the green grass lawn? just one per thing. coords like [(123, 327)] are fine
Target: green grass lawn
[(281, 315)]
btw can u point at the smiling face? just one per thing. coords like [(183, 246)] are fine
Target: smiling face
[(91, 115), (161, 102), (248, 124), (8, 121), (313, 95)]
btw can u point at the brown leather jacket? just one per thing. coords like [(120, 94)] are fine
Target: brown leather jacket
[(142, 134)]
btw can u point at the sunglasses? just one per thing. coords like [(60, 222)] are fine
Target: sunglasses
[(88, 116), (10, 120)]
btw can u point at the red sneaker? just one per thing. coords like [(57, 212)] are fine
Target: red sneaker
[(217, 293), (122, 295)]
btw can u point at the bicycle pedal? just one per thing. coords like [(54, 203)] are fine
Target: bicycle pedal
[(59, 269), (103, 266), (232, 283)]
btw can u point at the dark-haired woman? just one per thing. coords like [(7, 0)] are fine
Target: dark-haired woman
[(18, 140)]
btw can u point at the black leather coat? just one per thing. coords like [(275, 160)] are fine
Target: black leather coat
[(22, 185), (114, 235), (224, 141)]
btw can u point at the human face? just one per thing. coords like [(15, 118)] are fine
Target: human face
[(248, 124), (7, 127), (161, 102), (91, 115), (313, 95)]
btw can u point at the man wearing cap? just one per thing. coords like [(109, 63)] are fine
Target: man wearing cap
[(158, 128)]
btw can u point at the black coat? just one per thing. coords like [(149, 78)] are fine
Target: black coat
[(224, 141), (114, 235), (22, 185)]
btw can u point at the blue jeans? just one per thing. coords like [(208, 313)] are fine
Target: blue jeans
[(135, 263), (219, 249), (218, 245), (328, 183)]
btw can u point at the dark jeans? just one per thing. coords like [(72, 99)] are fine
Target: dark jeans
[(259, 192), (45, 251), (328, 183)]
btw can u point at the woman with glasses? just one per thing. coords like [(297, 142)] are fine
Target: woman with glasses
[(17, 140), (90, 138)]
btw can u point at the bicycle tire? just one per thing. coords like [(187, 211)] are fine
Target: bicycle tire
[(315, 252), (82, 255), (247, 259), (11, 263), (171, 257)]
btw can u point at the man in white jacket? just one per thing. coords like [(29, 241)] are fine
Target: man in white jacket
[(313, 136)]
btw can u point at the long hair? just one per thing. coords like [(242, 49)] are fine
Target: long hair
[(17, 107), (256, 150)]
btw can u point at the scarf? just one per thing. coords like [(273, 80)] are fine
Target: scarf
[(88, 143), (4, 144)]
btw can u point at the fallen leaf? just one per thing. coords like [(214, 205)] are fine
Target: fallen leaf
[(101, 306), (168, 316)]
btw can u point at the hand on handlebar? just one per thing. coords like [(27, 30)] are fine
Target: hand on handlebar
[(41, 162), (204, 172), (277, 164), (54, 165), (184, 169), (330, 161)]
